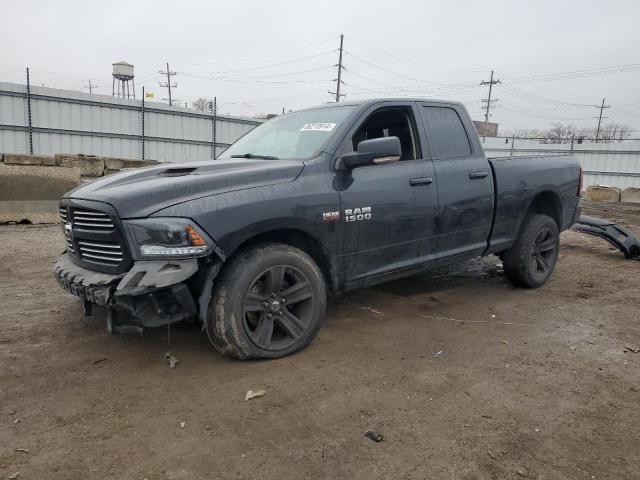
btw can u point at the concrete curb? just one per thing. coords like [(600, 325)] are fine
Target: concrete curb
[(31, 185)]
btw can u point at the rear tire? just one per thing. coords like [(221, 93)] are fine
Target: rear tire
[(532, 258), (268, 302)]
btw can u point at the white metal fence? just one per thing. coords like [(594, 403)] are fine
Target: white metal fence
[(614, 164), (47, 121)]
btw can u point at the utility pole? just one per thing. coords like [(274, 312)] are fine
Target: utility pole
[(488, 101), (168, 83), (600, 117), (91, 87), (339, 79), (30, 125), (213, 109)]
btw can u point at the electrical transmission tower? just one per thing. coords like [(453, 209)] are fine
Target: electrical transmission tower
[(339, 79), (488, 101), (91, 87), (600, 117), (168, 84)]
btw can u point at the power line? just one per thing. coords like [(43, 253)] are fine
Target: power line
[(260, 67), (250, 79), (539, 98), (271, 75), (413, 61), (523, 111), (168, 83), (435, 91), (426, 82), (275, 54), (575, 74)]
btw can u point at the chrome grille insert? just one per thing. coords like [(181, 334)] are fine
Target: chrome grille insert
[(94, 238), (92, 220), (100, 252)]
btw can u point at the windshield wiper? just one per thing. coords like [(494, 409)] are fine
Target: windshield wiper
[(258, 157)]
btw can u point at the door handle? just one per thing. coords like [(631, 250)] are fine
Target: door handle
[(473, 175), (420, 181)]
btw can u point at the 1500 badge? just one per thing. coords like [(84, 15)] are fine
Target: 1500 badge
[(357, 214)]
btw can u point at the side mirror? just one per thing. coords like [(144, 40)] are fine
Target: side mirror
[(376, 151)]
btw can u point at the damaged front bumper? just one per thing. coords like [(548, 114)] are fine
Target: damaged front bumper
[(151, 294)]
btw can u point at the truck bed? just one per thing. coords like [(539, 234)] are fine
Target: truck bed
[(518, 180)]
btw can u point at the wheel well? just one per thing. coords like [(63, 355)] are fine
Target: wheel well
[(547, 203), (301, 240)]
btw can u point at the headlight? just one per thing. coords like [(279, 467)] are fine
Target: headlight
[(167, 238)]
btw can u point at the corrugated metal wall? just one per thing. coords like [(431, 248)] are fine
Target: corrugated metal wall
[(615, 164), (74, 122)]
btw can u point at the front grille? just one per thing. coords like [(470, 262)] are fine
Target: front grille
[(102, 253), (94, 236), (90, 220)]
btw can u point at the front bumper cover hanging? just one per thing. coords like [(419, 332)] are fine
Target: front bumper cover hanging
[(613, 233)]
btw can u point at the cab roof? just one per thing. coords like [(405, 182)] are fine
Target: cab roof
[(372, 101)]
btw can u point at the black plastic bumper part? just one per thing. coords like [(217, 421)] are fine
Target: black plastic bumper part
[(150, 306), (613, 233)]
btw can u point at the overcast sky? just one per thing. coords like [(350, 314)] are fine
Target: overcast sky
[(260, 56)]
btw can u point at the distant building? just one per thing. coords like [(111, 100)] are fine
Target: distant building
[(487, 129)]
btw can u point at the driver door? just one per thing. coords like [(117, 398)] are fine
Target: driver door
[(387, 210)]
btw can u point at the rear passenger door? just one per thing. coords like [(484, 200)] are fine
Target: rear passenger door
[(464, 180)]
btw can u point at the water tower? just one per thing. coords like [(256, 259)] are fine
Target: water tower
[(122, 75)]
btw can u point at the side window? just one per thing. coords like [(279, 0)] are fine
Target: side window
[(390, 122), (447, 136)]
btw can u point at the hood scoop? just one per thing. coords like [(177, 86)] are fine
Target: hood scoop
[(178, 172)]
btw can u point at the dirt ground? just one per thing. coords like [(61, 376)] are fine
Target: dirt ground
[(465, 376)]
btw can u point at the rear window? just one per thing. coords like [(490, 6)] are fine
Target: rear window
[(447, 136)]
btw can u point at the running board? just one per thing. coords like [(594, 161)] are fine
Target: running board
[(613, 233)]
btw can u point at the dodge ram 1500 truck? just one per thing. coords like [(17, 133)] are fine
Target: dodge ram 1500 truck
[(306, 206)]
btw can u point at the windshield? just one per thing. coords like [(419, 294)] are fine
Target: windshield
[(293, 136)]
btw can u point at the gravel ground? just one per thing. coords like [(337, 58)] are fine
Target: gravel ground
[(465, 376)]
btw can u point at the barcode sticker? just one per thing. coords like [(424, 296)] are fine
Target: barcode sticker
[(318, 127)]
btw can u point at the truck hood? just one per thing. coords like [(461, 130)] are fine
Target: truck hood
[(141, 192)]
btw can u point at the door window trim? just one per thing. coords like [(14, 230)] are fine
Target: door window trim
[(413, 123), (456, 108)]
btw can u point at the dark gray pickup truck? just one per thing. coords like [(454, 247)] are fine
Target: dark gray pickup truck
[(309, 205)]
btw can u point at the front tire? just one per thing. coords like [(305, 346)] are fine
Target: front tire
[(532, 258), (268, 302)]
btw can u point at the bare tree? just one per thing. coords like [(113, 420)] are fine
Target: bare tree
[(201, 104), (528, 134), (610, 133), (559, 133)]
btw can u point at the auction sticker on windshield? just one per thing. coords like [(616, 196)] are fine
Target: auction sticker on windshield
[(317, 127)]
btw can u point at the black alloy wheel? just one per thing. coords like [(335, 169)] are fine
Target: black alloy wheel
[(278, 307), (544, 252), (268, 301)]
